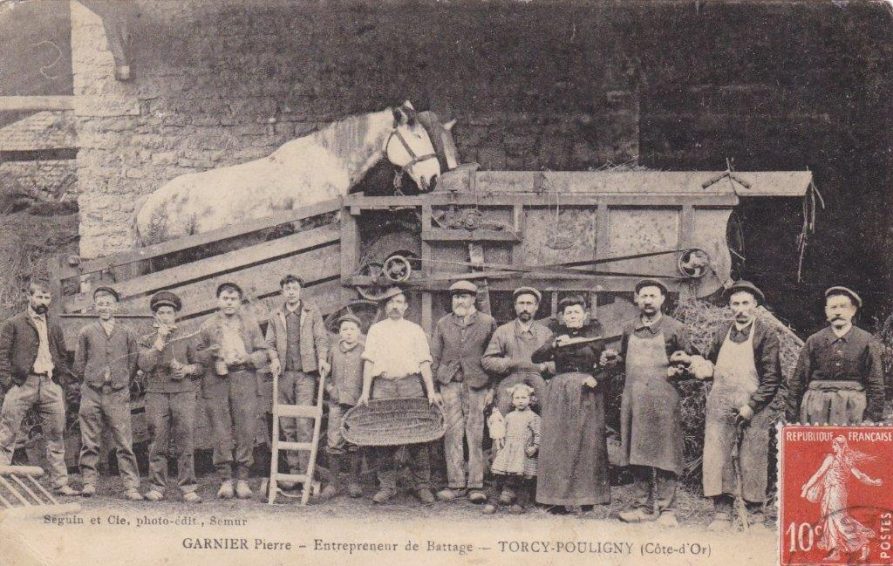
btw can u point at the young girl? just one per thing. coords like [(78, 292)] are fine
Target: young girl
[(517, 445)]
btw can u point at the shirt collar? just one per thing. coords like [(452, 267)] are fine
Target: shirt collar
[(845, 336), (345, 347), (108, 327), (465, 320), (522, 327), (287, 310), (742, 329), (35, 316), (654, 327)]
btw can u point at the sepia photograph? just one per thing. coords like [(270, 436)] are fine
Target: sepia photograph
[(446, 282)]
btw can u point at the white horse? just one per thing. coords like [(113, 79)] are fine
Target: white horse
[(320, 166)]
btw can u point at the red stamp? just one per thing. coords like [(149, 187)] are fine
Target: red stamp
[(836, 495)]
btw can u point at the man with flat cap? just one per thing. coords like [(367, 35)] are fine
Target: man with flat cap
[(397, 359), (840, 376), (168, 358), (746, 376), (459, 341), (232, 348), (105, 362), (650, 419), (508, 354)]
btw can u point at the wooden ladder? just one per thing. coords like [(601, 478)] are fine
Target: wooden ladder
[(295, 411)]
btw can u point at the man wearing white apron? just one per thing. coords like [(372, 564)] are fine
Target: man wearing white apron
[(746, 376), (650, 417)]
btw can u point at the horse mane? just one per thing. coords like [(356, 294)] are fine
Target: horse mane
[(348, 139)]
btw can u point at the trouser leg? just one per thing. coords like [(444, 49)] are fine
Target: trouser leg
[(18, 400), (642, 483), (305, 389), (217, 405), (474, 434), (90, 420), (387, 467), (665, 490), (183, 430), (722, 504), (420, 465), (243, 404), (454, 421), (498, 486), (51, 406), (116, 407), (158, 417)]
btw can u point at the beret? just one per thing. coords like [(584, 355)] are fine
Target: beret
[(841, 290), (527, 291), (349, 317), (391, 293), (746, 286), (463, 287), (165, 298), (107, 290), (649, 282)]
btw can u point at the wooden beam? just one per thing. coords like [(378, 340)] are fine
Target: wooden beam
[(460, 235), (20, 103)]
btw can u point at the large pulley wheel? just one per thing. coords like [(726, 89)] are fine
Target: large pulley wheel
[(367, 311), (693, 263)]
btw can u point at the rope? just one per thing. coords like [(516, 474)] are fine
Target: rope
[(811, 200)]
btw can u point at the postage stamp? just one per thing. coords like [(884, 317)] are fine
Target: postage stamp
[(836, 505)]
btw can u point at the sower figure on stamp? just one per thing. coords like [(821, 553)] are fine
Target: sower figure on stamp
[(398, 360), (839, 377), (232, 348), (344, 389), (168, 358), (299, 347), (105, 363), (32, 363), (746, 376), (650, 419), (457, 347)]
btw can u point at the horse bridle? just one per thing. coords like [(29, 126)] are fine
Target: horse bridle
[(413, 158)]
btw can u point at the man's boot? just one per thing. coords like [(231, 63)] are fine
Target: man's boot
[(334, 486), (354, 487)]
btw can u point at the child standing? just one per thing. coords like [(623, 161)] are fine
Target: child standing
[(344, 389), (517, 446)]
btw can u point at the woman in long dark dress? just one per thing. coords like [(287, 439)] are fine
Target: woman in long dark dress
[(573, 462)]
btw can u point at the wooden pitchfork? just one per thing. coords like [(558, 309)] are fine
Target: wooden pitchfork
[(740, 506)]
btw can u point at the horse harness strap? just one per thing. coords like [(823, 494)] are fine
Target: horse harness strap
[(413, 157)]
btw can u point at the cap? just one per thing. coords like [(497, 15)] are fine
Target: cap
[(746, 286), (107, 290), (649, 282), (841, 290), (349, 317), (527, 291), (463, 286), (165, 298), (391, 293), (229, 284)]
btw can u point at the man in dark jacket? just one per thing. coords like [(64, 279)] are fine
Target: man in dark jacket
[(840, 374), (746, 376), (460, 339), (32, 361)]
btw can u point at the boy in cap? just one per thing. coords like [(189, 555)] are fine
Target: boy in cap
[(32, 363), (105, 361), (459, 341), (840, 375), (650, 419), (298, 344), (344, 388), (232, 348), (397, 358), (746, 375), (169, 360)]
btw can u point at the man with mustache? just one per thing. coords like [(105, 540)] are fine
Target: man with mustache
[(32, 359), (839, 377), (650, 419), (458, 344), (232, 348), (397, 358), (508, 353), (105, 362), (746, 376)]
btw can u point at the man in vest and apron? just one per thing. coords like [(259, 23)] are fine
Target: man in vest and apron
[(840, 375), (650, 419), (746, 376)]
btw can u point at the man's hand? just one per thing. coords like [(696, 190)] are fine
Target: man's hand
[(609, 358), (499, 443), (531, 451), (558, 342), (438, 400), (489, 397), (364, 398), (590, 382), (324, 368), (276, 367), (745, 414)]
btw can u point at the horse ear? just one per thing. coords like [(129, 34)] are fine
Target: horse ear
[(400, 117), (449, 125), (408, 105)]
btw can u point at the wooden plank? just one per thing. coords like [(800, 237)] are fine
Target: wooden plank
[(205, 238), (350, 248), (427, 321), (484, 199), (257, 280), (519, 221), (448, 235), (19, 103), (168, 278)]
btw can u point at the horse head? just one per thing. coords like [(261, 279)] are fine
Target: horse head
[(410, 148)]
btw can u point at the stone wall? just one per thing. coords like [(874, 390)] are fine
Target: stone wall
[(40, 181), (218, 83)]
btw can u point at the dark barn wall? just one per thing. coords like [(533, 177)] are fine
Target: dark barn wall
[(559, 85)]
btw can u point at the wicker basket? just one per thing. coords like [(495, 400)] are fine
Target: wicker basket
[(392, 422)]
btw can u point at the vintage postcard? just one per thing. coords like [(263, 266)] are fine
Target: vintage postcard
[(445, 282)]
